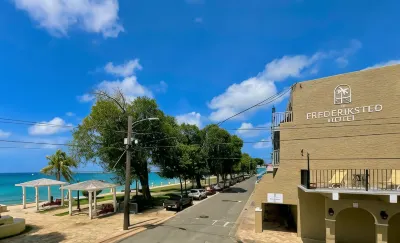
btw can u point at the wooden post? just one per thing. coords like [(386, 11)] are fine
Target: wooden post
[(70, 202), (95, 203), (23, 197), (48, 194), (115, 199), (62, 196), (90, 204), (37, 197)]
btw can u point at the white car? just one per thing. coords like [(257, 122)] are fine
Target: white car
[(198, 194)]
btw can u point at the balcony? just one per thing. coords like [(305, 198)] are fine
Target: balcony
[(352, 180), (281, 117), (275, 158)]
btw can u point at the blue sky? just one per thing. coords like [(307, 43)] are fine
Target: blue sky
[(202, 60)]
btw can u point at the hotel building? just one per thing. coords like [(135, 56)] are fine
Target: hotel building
[(336, 160)]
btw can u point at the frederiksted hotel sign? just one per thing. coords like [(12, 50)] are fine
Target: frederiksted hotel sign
[(342, 96)]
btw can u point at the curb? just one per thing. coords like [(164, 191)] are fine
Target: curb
[(124, 235)]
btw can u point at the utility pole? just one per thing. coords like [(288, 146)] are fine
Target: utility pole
[(128, 174)]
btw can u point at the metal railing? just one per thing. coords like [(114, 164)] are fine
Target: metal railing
[(352, 179), (281, 117), (275, 157)]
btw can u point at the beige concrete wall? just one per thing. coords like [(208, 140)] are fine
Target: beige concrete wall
[(394, 232), (355, 225), (312, 215), (377, 86)]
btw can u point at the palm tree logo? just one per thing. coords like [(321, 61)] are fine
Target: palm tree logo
[(342, 94)]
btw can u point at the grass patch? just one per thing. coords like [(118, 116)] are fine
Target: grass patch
[(178, 187), (61, 214)]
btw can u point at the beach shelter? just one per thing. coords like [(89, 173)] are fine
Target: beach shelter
[(91, 187), (38, 183)]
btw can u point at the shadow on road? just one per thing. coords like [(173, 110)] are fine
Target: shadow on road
[(234, 190)]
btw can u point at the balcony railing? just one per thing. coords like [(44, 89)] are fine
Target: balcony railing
[(281, 117), (352, 179), (275, 158)]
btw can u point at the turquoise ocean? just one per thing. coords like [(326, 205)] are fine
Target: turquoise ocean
[(11, 194)]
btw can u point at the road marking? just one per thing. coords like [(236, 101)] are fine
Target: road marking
[(226, 224), (214, 222)]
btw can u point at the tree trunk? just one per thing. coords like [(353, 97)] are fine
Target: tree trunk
[(217, 178), (180, 182), (58, 175), (198, 181), (144, 181), (185, 185), (136, 187)]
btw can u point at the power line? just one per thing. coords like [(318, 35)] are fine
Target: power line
[(306, 125), (248, 142), (269, 99), (25, 122)]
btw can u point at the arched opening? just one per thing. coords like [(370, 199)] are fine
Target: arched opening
[(393, 231), (355, 225)]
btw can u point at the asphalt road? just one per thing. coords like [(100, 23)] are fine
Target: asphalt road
[(211, 221)]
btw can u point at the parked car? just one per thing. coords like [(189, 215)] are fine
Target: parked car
[(210, 190), (177, 202), (223, 184), (217, 187), (198, 194)]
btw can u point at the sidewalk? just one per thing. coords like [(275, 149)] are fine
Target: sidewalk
[(47, 228), (271, 234)]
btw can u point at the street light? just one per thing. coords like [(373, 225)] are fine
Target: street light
[(128, 167)]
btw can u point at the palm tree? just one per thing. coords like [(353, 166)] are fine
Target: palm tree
[(60, 164)]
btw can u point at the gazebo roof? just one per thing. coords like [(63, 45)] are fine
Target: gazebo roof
[(42, 182), (91, 185)]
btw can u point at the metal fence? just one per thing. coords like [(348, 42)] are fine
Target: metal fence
[(352, 179), (281, 117), (275, 157)]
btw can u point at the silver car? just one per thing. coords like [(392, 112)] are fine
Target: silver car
[(198, 194)]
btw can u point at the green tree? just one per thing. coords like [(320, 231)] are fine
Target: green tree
[(60, 164), (193, 156), (100, 136), (258, 161), (217, 148), (246, 163)]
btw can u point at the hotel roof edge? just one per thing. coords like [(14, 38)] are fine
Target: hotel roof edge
[(353, 72)]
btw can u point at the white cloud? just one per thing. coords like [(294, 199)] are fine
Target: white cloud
[(289, 66), (264, 143), (4, 134), (192, 118), (129, 86), (124, 70), (383, 64), (161, 87), (85, 98), (70, 114), (198, 20), (343, 59), (59, 16), (238, 97), (248, 130), (56, 125)]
